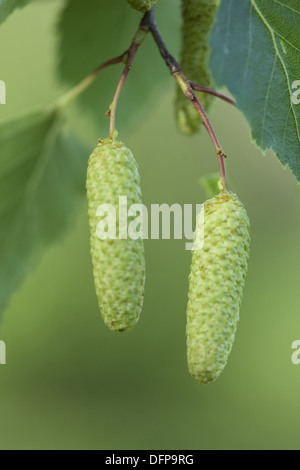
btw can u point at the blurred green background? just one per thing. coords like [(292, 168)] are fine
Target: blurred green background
[(70, 383)]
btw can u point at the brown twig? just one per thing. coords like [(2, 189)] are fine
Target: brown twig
[(86, 82), (131, 53), (187, 89), (210, 91)]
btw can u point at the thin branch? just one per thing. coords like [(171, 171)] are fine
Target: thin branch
[(170, 61), (210, 91), (136, 43), (86, 82), (187, 89)]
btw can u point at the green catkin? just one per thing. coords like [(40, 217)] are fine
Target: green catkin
[(216, 281), (198, 20), (142, 5), (118, 265)]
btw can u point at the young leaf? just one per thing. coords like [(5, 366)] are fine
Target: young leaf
[(42, 172), (256, 48), (211, 184), (106, 32), (7, 6)]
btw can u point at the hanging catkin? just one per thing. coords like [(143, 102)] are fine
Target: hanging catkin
[(216, 281), (118, 264), (198, 19)]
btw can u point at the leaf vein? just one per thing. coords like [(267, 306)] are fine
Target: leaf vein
[(287, 7), (285, 40)]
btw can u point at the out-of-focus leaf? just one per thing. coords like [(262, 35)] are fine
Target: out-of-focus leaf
[(42, 173), (7, 7), (211, 184)]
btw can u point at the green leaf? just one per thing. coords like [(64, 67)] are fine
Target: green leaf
[(106, 32), (211, 184), (42, 173), (256, 50), (7, 7)]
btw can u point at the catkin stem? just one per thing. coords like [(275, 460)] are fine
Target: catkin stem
[(188, 89), (86, 82), (210, 91), (136, 43)]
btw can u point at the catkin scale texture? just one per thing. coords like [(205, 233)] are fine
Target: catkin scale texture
[(216, 285), (198, 19), (142, 5), (118, 265)]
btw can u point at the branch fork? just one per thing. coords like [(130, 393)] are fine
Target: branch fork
[(189, 88)]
